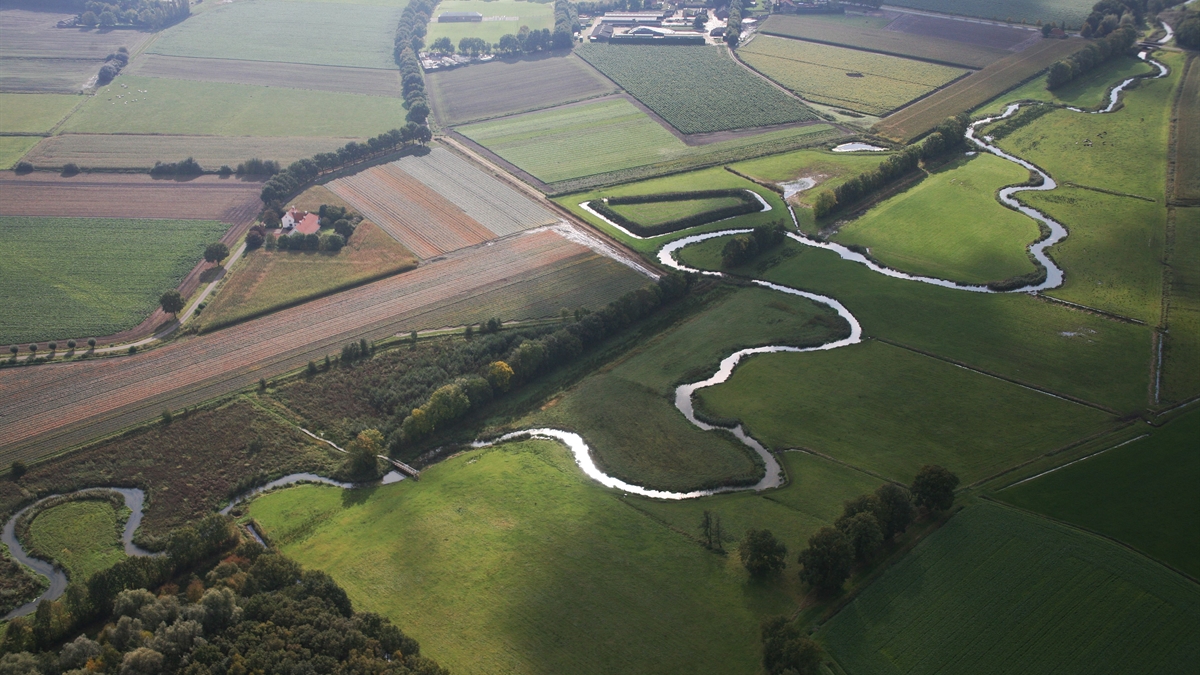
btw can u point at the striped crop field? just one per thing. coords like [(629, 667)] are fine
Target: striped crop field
[(849, 78), (695, 89), (522, 277), (141, 151), (997, 590), (369, 81)]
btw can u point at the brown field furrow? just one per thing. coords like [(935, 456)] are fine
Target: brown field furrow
[(46, 408), (128, 196), (421, 219)]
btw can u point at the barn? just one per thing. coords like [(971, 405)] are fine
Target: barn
[(459, 17)]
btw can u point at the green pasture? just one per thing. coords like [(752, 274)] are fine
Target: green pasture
[(511, 560), (627, 414), (1181, 347), (34, 113), (996, 590), (950, 225), (1072, 12), (891, 411), (1124, 151), (150, 105), (707, 179), (517, 13), (13, 148), (82, 536), (80, 277), (320, 33), (1113, 254), (656, 213), (1142, 493), (1012, 335), (1088, 92)]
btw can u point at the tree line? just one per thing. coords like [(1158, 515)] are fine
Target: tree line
[(743, 248), (1115, 43), (410, 38), (113, 63), (152, 14)]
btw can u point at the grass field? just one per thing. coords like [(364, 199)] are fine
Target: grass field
[(1187, 137), (950, 225), (656, 213), (1072, 12), (267, 280), (510, 560), (156, 106), (1181, 344), (128, 151), (1113, 256), (994, 588), (874, 84), (1012, 335), (301, 32), (366, 81), (850, 34), (627, 412), (500, 17), (890, 411), (1088, 91), (599, 138), (511, 86), (82, 536), (34, 113), (695, 89), (974, 90), (1140, 493), (80, 277), (13, 148)]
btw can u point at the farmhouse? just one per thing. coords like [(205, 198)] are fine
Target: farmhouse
[(301, 222), (459, 17)]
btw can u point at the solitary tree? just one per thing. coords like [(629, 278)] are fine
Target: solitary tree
[(826, 563), (18, 469), (216, 252), (14, 349), (92, 342), (933, 488), (362, 462), (762, 554), (171, 302)]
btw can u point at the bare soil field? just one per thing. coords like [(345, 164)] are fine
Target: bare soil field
[(134, 151), (511, 86), (47, 408), (41, 193), (987, 35), (370, 81), (892, 42), (52, 76), (975, 89), (37, 56)]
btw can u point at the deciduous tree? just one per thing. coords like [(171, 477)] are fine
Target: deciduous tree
[(933, 487), (827, 561), (171, 302), (762, 554)]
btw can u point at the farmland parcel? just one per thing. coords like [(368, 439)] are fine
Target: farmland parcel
[(369, 81), (1071, 12), (36, 56), (34, 113), (138, 151), (1187, 130), (128, 195), (500, 17), (695, 89), (868, 83)]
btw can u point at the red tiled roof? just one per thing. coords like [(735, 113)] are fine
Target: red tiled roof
[(309, 225)]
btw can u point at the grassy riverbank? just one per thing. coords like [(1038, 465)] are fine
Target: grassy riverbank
[(82, 536)]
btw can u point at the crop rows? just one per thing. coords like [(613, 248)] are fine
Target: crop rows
[(1073, 12), (695, 89), (862, 81), (369, 81), (424, 221), (115, 195), (133, 151), (48, 408)]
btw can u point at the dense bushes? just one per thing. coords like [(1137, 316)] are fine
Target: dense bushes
[(744, 248), (749, 204), (188, 167), (1117, 42), (1187, 33), (258, 167), (153, 14)]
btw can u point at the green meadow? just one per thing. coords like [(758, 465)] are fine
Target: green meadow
[(34, 113), (82, 536), (1087, 92), (1141, 493), (950, 225), (515, 13), (655, 213), (147, 105), (1181, 352), (996, 590), (13, 148)]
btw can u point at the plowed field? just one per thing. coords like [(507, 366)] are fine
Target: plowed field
[(421, 219), (128, 196), (47, 408)]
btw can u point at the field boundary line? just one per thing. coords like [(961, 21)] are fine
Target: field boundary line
[(1122, 425), (1075, 461), (1108, 192), (1047, 392), (835, 460), (1090, 310)]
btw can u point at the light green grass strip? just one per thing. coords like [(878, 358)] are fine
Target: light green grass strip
[(536, 15), (34, 113), (13, 148)]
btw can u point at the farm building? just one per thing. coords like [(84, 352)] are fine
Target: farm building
[(300, 222), (645, 35), (633, 18), (459, 17)]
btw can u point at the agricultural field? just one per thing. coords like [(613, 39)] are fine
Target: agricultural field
[(1012, 38), (439, 202), (650, 214), (34, 113), (1089, 91), (1139, 493), (617, 135), (974, 90), (130, 151), (35, 56), (1072, 12), (1011, 335), (264, 281), (529, 276), (883, 41), (500, 17), (366, 81), (148, 105), (13, 148), (891, 411), (626, 412), (510, 86), (1181, 344), (869, 83), (950, 225), (82, 277), (513, 561), (695, 89), (1187, 138), (83, 536), (305, 33), (995, 586), (128, 195)]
